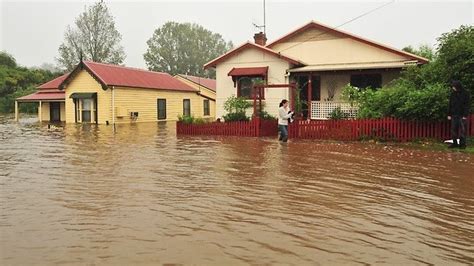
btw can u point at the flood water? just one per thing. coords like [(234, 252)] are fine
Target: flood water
[(86, 196)]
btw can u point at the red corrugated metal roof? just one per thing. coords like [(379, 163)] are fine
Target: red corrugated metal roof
[(248, 71), (113, 75), (44, 96), (53, 84), (208, 83)]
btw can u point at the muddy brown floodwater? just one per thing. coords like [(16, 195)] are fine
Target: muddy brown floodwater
[(85, 196)]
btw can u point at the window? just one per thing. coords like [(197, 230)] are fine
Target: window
[(86, 107), (244, 86), (207, 110), (366, 80), (187, 107), (161, 105)]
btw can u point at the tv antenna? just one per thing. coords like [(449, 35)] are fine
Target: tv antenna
[(264, 26)]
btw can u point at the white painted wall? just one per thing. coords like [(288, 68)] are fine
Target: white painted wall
[(252, 57)]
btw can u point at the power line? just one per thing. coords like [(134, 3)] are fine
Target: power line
[(347, 22)]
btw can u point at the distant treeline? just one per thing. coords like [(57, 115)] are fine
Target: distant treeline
[(17, 81)]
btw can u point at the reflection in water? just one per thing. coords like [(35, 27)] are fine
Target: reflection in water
[(84, 195)]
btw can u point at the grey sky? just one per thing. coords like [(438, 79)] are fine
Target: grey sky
[(33, 30)]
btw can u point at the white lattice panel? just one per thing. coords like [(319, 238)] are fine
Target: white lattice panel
[(321, 110)]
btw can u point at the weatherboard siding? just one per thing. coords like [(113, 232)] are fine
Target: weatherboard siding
[(144, 101), (84, 82), (204, 91), (313, 47), (252, 57)]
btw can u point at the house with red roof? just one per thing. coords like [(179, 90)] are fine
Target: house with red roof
[(108, 94), (206, 88), (320, 60)]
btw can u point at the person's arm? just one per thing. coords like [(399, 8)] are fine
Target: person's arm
[(283, 115)]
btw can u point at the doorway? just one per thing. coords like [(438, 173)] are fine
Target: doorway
[(308, 87), (55, 111)]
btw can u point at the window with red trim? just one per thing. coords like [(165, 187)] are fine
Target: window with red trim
[(244, 86)]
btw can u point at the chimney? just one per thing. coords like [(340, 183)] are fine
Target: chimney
[(260, 38)]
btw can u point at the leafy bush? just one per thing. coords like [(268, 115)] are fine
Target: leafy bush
[(266, 116), (236, 104), (337, 114), (199, 120), (240, 116), (236, 109), (186, 119), (401, 100)]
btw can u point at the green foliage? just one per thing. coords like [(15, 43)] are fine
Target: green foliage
[(337, 114), (187, 119), (456, 57), (401, 100), (239, 116), (236, 109), (422, 92), (236, 104), (266, 116), (7, 59), (423, 50), (18, 81), (183, 48), (95, 36)]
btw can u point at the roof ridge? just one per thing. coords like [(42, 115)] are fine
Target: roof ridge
[(126, 67), (195, 76)]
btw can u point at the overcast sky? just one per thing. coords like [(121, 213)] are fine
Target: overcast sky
[(33, 30)]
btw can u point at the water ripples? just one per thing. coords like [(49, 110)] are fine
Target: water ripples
[(84, 195)]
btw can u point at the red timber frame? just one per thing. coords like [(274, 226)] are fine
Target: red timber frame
[(258, 90)]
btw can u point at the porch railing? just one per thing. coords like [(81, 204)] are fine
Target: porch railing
[(321, 110)]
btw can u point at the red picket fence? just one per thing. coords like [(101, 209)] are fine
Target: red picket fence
[(254, 128), (385, 128)]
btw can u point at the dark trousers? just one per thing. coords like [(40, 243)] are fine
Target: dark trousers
[(458, 130), (283, 132)]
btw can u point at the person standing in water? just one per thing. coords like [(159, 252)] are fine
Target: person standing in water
[(283, 115), (458, 111)]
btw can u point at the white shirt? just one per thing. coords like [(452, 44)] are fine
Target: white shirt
[(283, 116)]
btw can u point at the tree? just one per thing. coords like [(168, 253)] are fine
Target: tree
[(94, 37), (7, 59), (17, 81), (456, 57), (423, 50), (183, 48)]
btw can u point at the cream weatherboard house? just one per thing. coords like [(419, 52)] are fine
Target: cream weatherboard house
[(105, 94), (319, 59)]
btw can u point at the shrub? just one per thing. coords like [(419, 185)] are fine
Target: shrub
[(186, 119), (337, 114), (236, 109), (266, 116), (400, 99), (236, 104), (199, 120), (240, 116)]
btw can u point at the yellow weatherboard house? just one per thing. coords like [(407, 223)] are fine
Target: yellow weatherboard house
[(206, 88), (104, 93)]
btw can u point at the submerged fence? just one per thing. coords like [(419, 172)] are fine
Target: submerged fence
[(356, 129)]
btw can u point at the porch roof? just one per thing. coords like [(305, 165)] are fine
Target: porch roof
[(354, 66), (248, 71), (50, 95)]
